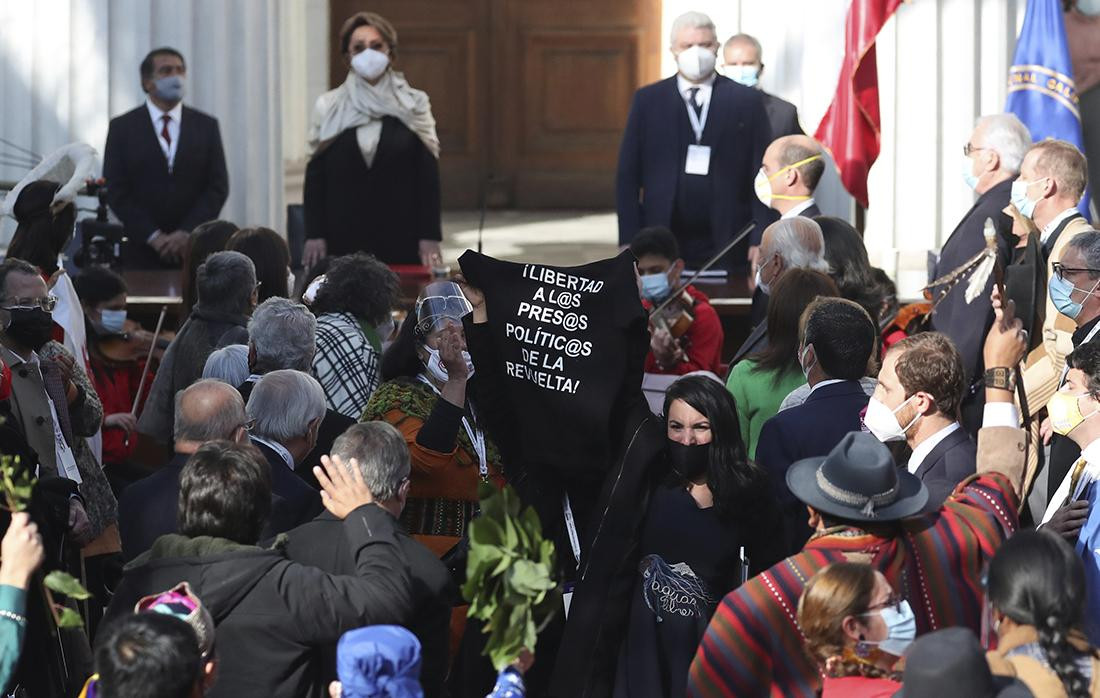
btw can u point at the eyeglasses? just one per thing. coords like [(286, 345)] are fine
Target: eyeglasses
[(968, 149), (248, 426), (1061, 270), (893, 602), (48, 303)]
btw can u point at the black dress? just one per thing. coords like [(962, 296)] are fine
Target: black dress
[(385, 209), (690, 560)]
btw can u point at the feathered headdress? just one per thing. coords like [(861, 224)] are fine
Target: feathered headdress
[(71, 166)]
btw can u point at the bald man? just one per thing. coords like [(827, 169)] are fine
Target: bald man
[(208, 410), (789, 174), (743, 62)]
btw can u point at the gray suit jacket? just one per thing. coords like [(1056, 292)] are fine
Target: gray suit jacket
[(782, 116)]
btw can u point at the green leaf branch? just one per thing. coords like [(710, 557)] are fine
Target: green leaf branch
[(509, 575), (18, 487)]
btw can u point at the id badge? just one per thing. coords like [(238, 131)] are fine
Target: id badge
[(698, 160)]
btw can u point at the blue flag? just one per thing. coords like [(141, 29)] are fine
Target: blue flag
[(1041, 91)]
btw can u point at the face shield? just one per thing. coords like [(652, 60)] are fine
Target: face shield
[(440, 304)]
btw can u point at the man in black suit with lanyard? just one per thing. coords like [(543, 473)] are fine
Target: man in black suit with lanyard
[(692, 145), (164, 166)]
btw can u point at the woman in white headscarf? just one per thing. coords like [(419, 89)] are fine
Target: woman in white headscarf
[(372, 183)]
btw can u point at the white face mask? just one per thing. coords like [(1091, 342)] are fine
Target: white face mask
[(370, 64), (802, 362), (763, 187), (696, 62), (883, 422), (290, 281), (438, 371)]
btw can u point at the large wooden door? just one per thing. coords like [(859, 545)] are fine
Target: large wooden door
[(530, 96)]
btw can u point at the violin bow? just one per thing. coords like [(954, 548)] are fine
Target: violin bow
[(710, 263), (145, 370)]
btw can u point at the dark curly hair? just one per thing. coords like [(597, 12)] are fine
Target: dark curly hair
[(1036, 579), (359, 284)]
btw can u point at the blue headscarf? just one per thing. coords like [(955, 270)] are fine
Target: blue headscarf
[(379, 661)]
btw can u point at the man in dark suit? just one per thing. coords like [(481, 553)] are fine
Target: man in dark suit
[(164, 166), (789, 243), (838, 340), (380, 453), (282, 335), (691, 148), (209, 410), (286, 408), (920, 386), (991, 161), (743, 62)]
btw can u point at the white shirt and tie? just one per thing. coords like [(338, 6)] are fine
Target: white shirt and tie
[(166, 123)]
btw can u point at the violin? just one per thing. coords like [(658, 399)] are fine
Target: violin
[(133, 344), (674, 314)]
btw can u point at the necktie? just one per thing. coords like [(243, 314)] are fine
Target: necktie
[(164, 131), (693, 93), (1078, 469)]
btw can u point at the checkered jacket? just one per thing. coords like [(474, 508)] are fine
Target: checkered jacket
[(345, 364)]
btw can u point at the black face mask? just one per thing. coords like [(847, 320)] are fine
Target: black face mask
[(31, 328), (689, 462)]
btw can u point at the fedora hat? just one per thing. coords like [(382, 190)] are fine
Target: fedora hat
[(949, 663), (857, 481)]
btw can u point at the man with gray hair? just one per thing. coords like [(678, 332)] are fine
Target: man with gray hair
[(990, 161), (282, 335), (789, 243), (286, 408), (380, 453), (691, 148), (226, 284), (743, 62), (209, 410)]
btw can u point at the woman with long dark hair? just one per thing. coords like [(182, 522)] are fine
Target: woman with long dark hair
[(762, 380), (206, 239), (1036, 590), (713, 513), (269, 252)]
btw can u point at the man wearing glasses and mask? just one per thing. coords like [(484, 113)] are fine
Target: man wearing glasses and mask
[(1075, 292)]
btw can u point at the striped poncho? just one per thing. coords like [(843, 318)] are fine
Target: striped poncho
[(753, 646)]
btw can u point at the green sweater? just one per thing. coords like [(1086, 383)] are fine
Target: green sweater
[(13, 600), (758, 397)]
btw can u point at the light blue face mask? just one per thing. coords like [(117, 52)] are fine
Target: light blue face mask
[(169, 89), (1019, 199), (655, 286), (1061, 295), (747, 75), (901, 629), (113, 320), (968, 173)]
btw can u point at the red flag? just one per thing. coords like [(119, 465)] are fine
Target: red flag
[(850, 129)]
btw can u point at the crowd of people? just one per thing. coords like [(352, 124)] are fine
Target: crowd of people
[(860, 499)]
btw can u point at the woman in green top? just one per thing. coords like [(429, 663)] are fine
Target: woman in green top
[(20, 555), (761, 381)]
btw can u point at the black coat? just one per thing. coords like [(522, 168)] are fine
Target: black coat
[(654, 150), (293, 501), (967, 323), (321, 543), (385, 209), (148, 508), (783, 119), (333, 425), (809, 430), (951, 461), (145, 195), (271, 614)]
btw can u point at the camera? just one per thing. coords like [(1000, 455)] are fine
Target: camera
[(101, 241)]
